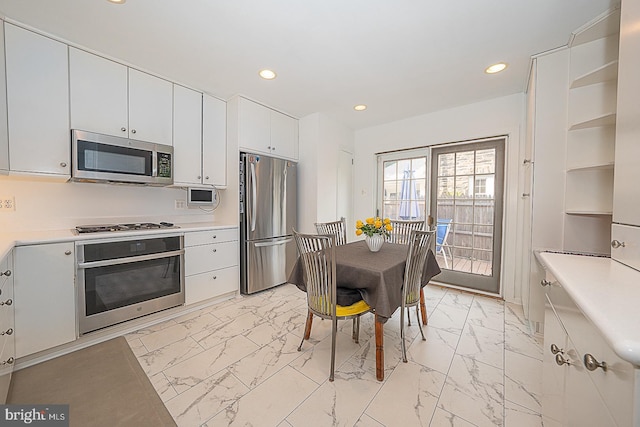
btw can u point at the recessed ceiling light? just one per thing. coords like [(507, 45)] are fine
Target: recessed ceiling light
[(267, 74), (496, 68), (117, 1), (360, 107)]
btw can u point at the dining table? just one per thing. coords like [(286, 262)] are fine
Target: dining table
[(375, 277)]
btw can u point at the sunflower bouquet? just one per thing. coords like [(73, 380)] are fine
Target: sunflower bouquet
[(373, 226)]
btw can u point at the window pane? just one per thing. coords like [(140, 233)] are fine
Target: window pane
[(419, 167), (486, 161), (464, 163), (484, 212), (446, 164), (462, 187), (403, 165), (390, 190), (445, 188), (390, 170)]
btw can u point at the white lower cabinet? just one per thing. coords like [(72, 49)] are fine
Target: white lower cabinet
[(211, 264), (45, 294), (574, 395), (7, 336)]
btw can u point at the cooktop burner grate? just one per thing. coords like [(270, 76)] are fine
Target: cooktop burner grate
[(102, 228)]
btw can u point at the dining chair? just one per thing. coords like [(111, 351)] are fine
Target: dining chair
[(400, 234), (442, 232), (402, 230), (318, 257), (419, 243), (335, 228)]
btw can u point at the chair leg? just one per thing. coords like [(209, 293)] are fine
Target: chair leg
[(404, 348), (355, 333), (334, 329), (307, 330), (423, 307), (408, 316), (420, 324)]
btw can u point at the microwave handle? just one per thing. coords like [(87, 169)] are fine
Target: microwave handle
[(154, 163)]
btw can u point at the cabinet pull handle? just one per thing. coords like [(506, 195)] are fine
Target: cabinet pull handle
[(6, 273), (206, 177), (555, 349), (615, 244), (123, 129), (7, 302), (215, 250), (591, 363), (199, 177), (67, 252), (7, 332), (9, 361), (63, 164), (133, 131), (214, 236), (545, 282), (525, 195), (561, 360), (215, 277)]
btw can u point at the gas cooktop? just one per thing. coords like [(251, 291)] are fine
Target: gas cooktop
[(102, 228)]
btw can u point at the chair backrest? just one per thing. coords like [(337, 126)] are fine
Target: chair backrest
[(442, 231), (402, 230), (419, 243), (335, 228), (318, 257)]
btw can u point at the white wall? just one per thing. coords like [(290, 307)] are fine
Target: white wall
[(499, 116), (321, 138), (47, 205)]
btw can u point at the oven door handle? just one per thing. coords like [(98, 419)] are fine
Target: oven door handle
[(117, 261)]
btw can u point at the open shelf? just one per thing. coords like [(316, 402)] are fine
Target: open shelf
[(602, 74), (602, 166), (587, 212), (604, 120)]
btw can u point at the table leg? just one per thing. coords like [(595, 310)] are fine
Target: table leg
[(423, 307), (379, 349)]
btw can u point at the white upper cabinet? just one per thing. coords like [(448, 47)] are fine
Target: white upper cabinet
[(214, 141), (626, 192), (4, 137), (112, 99), (263, 130), (98, 94), (187, 136), (150, 108), (37, 75)]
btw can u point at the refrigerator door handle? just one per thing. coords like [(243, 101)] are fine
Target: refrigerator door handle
[(281, 242), (253, 197)]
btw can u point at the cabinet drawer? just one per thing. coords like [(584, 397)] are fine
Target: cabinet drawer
[(199, 259), (203, 286), (629, 236), (196, 238)]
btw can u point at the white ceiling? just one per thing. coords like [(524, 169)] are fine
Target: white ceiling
[(400, 57)]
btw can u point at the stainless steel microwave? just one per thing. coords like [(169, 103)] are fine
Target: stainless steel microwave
[(104, 158)]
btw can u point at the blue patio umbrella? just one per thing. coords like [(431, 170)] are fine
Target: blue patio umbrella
[(408, 197)]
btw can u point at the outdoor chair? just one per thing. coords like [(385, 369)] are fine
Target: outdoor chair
[(442, 232)]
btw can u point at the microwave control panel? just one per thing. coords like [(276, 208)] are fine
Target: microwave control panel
[(164, 165)]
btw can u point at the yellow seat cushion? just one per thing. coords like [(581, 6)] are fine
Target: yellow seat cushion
[(350, 310)]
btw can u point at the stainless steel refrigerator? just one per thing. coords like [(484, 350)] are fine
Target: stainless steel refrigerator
[(267, 218)]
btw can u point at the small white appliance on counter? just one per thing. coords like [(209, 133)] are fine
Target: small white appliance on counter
[(202, 197)]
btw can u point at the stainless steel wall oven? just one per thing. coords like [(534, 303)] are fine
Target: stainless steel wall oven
[(121, 279)]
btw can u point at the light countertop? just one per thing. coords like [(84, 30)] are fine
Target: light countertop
[(8, 240), (607, 292)]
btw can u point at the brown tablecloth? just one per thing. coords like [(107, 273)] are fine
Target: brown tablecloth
[(378, 276)]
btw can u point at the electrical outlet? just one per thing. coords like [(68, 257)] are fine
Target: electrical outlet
[(7, 204), (181, 204)]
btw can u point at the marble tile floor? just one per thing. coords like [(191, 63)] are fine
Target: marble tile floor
[(237, 364)]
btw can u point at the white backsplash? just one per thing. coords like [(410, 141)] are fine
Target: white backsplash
[(47, 205)]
